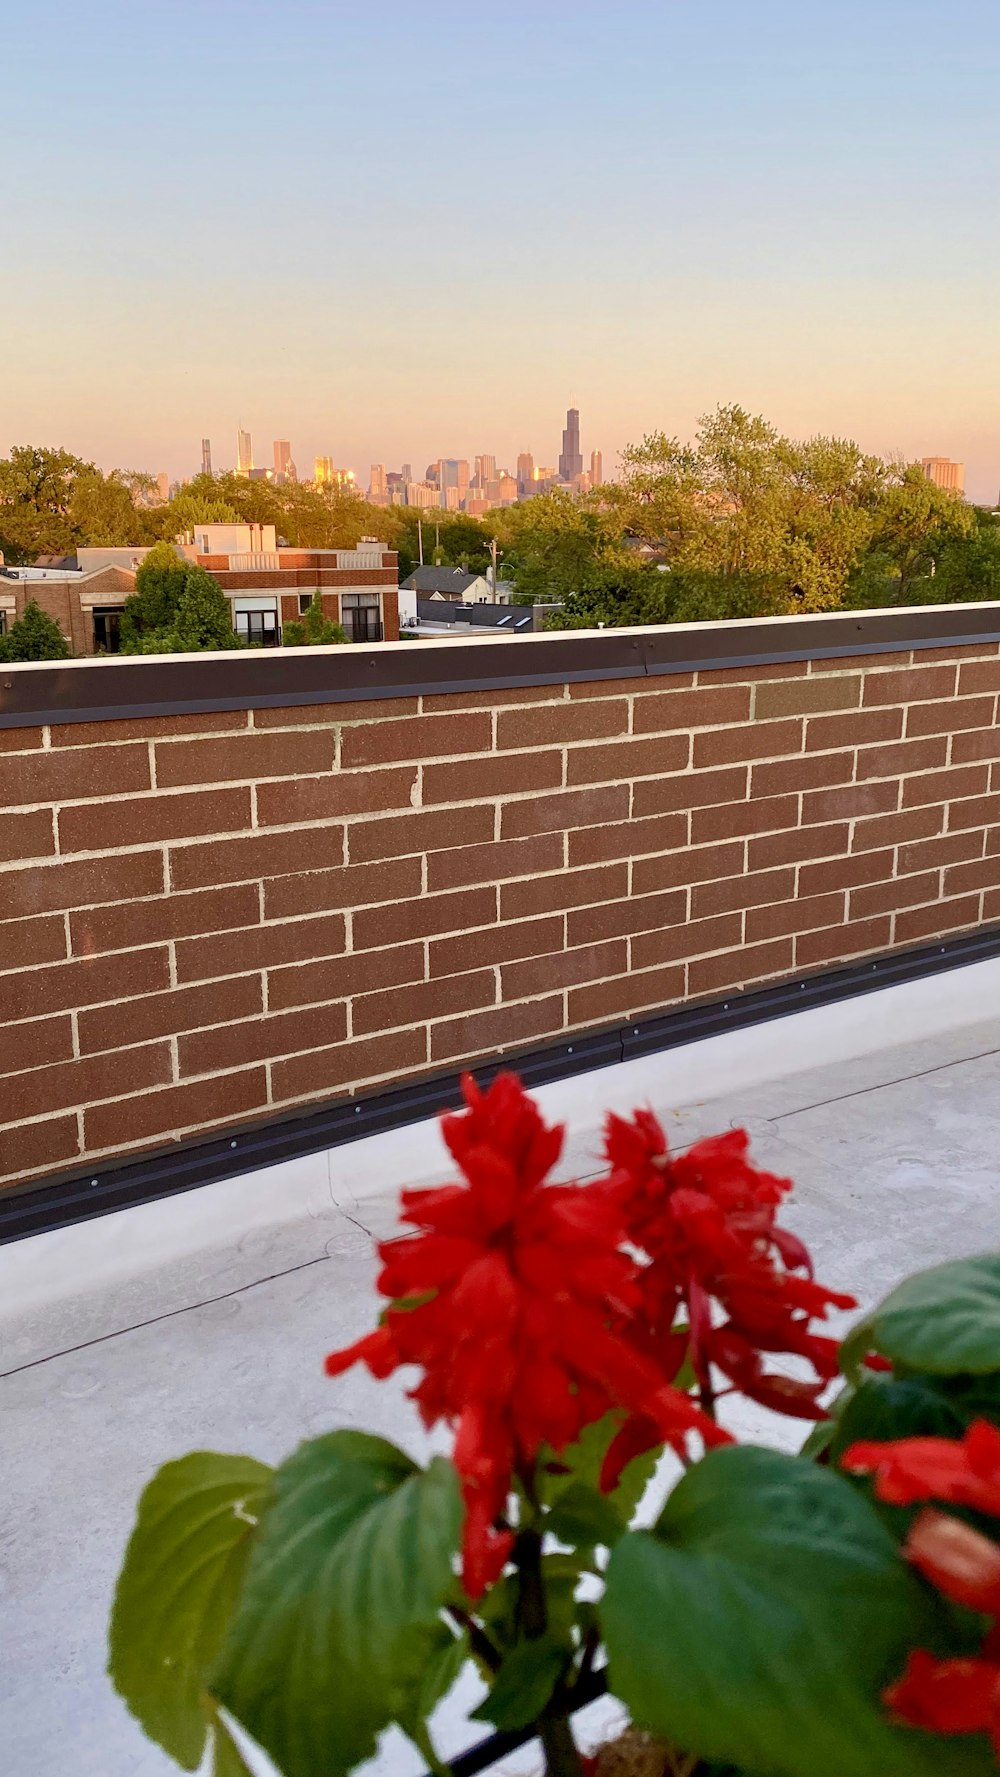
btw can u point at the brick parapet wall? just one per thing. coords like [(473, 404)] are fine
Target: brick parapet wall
[(210, 917)]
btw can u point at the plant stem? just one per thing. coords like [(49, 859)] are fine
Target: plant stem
[(479, 1641), (561, 1756)]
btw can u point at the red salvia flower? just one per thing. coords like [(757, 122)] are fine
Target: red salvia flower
[(963, 1472), (960, 1696), (707, 1220), (511, 1298)]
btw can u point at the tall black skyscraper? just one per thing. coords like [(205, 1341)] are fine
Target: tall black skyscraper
[(570, 459)]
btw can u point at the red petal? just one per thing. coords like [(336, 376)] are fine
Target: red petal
[(946, 1696), (962, 1563)]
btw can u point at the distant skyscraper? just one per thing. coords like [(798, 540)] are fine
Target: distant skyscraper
[(570, 460), (596, 468), (206, 456), (322, 470), (525, 472), (944, 473), (163, 487), (244, 452), (378, 485), (282, 456), (486, 470)]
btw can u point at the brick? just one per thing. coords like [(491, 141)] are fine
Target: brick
[(258, 855), (596, 845), (641, 913), (35, 1044), (34, 1146), (952, 651), (28, 993), (87, 734), (348, 1064), (261, 947), (993, 841), (963, 879), (708, 707), (834, 944), (731, 972), (703, 863), (166, 1014), (866, 662), (853, 801), (283, 1033), (945, 786), (563, 968), (27, 942), (755, 890), (915, 684), (808, 697), (358, 885), (651, 990), (496, 944), (20, 740), (68, 1083), (978, 676), (338, 977), (573, 808), (628, 685), (195, 1104), (71, 776), (676, 942), (796, 846), (981, 743), (169, 916), (804, 914), (494, 862), (932, 854), (627, 758), (903, 758), (955, 714), (425, 830), (417, 737), (335, 793), (495, 699), (692, 789), (857, 729), (896, 829), (991, 905), (483, 1033), (937, 920), (327, 715), (144, 820), (82, 882), (978, 811), (555, 724), (424, 916), (246, 755), (905, 891), (372, 1012), (574, 888), (733, 819), (508, 774), (811, 771), (761, 740), (749, 674), (29, 835), (854, 871)]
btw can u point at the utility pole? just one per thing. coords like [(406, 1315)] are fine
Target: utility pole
[(493, 557), (420, 539)]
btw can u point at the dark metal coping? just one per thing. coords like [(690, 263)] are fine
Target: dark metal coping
[(165, 685), (67, 1197)]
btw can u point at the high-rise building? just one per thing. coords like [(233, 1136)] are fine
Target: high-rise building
[(419, 493), (282, 456), (944, 473), (206, 456), (596, 468), (525, 473), (163, 487), (322, 470), (570, 459), (378, 484), (486, 470), (244, 452), (407, 473)]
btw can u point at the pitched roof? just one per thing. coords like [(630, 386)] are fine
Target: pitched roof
[(440, 580)]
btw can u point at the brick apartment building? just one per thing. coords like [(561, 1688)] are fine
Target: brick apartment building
[(267, 586)]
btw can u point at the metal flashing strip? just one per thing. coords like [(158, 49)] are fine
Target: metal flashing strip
[(57, 1201)]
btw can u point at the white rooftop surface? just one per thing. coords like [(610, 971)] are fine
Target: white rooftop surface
[(202, 1321)]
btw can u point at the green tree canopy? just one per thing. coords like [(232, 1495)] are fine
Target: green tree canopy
[(177, 608), (36, 493), (313, 630), (34, 636)]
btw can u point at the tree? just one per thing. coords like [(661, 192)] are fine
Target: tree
[(34, 636), (177, 608), (103, 512), (555, 546), (915, 521), (36, 491), (314, 630)]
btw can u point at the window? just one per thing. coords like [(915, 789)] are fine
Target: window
[(3, 623), (258, 628), (305, 600), (107, 629), (361, 615)]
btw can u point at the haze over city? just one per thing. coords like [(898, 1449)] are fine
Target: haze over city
[(452, 228)]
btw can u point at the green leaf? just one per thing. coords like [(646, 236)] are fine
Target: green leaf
[(888, 1407), (582, 1462), (441, 1669), (584, 1518), (944, 1321), (177, 1589), (340, 1610), (760, 1620), (524, 1683), (227, 1759)]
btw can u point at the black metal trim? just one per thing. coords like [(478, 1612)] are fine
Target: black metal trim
[(117, 687), (68, 1197), (479, 1758)]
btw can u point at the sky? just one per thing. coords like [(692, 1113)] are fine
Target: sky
[(405, 231)]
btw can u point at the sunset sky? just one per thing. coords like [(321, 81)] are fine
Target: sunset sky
[(405, 231)]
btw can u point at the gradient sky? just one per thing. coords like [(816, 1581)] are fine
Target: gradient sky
[(400, 231)]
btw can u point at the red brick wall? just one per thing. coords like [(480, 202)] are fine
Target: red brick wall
[(209, 917)]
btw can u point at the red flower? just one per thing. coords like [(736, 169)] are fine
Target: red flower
[(511, 1298), (965, 1472), (960, 1696), (707, 1220)]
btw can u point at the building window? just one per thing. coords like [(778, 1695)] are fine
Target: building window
[(361, 616), (305, 600), (3, 623), (259, 629), (107, 629)]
